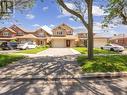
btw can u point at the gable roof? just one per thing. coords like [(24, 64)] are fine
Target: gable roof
[(63, 26), (4, 28), (30, 36), (47, 29), (121, 36), (20, 28)]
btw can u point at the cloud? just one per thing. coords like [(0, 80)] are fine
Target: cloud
[(36, 25), (97, 11), (51, 26), (45, 8), (64, 12), (71, 19), (30, 16)]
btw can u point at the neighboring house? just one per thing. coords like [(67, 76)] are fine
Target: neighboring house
[(99, 40), (7, 34), (60, 37), (19, 31), (39, 37), (119, 39)]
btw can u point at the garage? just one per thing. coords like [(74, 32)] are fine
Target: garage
[(100, 42), (58, 43)]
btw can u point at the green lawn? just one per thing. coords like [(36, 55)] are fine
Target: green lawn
[(83, 50), (33, 51), (103, 63), (8, 59)]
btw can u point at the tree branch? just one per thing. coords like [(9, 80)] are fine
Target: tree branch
[(61, 3)]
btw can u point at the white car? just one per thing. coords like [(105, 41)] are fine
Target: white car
[(28, 45), (113, 47)]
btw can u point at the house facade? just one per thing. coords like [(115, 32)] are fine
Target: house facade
[(63, 37), (119, 39), (99, 40), (60, 37)]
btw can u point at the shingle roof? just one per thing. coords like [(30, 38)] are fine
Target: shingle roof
[(30, 36), (4, 28)]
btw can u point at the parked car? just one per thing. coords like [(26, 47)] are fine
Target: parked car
[(8, 45), (28, 45), (113, 47)]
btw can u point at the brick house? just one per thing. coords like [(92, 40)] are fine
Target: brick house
[(61, 36), (119, 39)]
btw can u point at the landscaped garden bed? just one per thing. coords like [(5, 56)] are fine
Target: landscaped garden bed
[(8, 59), (112, 63), (83, 50)]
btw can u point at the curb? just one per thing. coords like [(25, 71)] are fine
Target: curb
[(105, 75), (84, 76)]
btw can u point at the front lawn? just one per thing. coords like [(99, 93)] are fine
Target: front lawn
[(83, 50), (8, 59), (33, 51), (112, 63)]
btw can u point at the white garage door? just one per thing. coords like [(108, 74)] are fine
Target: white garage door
[(99, 42), (58, 43)]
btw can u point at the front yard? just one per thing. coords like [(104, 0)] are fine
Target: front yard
[(8, 59), (83, 50), (112, 63), (33, 51)]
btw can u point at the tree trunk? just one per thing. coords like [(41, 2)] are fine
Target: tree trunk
[(90, 30)]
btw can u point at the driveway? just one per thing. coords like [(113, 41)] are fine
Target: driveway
[(55, 52), (124, 52)]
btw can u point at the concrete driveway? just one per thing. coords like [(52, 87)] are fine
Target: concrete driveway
[(55, 52), (59, 52)]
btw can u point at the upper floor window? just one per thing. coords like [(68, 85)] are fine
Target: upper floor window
[(41, 34), (20, 33), (6, 34), (69, 32)]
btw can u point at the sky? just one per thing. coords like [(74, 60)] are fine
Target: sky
[(47, 14)]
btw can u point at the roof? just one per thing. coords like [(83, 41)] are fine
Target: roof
[(21, 28), (7, 38), (119, 36), (47, 29), (100, 37), (28, 36), (69, 37), (63, 26), (4, 28)]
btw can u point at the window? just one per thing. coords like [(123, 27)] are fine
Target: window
[(41, 34), (6, 34), (69, 32), (20, 33)]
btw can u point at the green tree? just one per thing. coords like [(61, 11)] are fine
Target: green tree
[(81, 7), (116, 9), (18, 5)]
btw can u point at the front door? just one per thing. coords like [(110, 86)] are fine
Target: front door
[(67, 43)]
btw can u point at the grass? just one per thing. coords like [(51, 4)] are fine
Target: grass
[(83, 50), (8, 59), (33, 51), (112, 63)]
